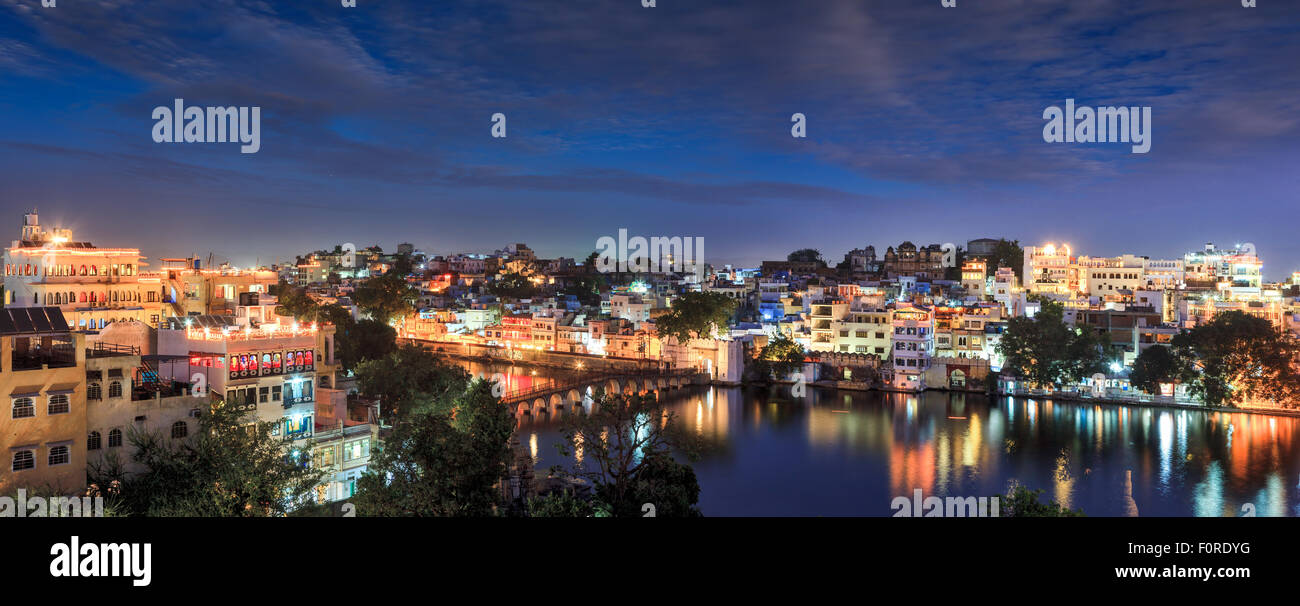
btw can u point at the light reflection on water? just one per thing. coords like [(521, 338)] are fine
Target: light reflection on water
[(850, 453)]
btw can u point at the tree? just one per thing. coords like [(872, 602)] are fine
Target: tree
[(626, 443), (1237, 356), (364, 340), (513, 285), (696, 314), (1156, 365), (1022, 502), (1008, 253), (782, 355), (445, 459), (1044, 350), (407, 377), (586, 289), (386, 297), (227, 468), (806, 255), (293, 301)]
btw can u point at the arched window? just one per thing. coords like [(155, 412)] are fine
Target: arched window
[(93, 441), (82, 298), (115, 438), (59, 455), (58, 404), (24, 408), (115, 389), (82, 271), (94, 391), (180, 429), (23, 459)]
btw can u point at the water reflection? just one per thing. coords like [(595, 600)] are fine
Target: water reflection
[(850, 453)]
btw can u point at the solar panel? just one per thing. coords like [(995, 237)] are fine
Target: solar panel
[(57, 322), (22, 320), (39, 320)]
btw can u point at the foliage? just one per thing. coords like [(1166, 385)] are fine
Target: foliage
[(444, 459), (512, 285), (1022, 502), (408, 377), (586, 289), (1044, 350), (387, 297), (293, 301), (1237, 356), (626, 443), (696, 314), (782, 356), (1156, 365), (561, 504), (368, 339), (806, 255), (227, 468), (1008, 253)]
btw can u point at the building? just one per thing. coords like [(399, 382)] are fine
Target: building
[(189, 290), (42, 377), (260, 362), (1051, 270), (926, 263), (913, 345), (91, 286)]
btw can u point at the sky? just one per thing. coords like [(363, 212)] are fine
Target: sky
[(923, 123)]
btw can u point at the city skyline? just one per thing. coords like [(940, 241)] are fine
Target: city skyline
[(923, 123)]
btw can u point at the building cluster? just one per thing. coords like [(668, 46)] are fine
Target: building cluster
[(96, 351), (96, 344)]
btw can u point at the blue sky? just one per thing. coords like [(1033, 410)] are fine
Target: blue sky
[(924, 124)]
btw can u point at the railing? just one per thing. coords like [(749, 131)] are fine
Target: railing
[(596, 379)]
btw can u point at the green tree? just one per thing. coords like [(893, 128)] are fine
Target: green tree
[(512, 285), (365, 340), (1022, 502), (696, 314), (806, 255), (1236, 356), (227, 468), (1045, 350), (445, 459), (387, 297), (1008, 253), (782, 355), (586, 289), (1156, 365), (293, 301), (563, 504), (627, 443), (408, 377)]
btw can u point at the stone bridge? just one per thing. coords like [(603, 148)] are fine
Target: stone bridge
[(579, 392)]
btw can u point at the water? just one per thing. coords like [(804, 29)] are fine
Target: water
[(851, 453)]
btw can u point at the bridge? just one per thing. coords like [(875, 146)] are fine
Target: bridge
[(575, 393)]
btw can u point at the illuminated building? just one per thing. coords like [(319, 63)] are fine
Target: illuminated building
[(191, 290), (913, 345), (924, 263), (973, 273), (91, 286), (1051, 270), (42, 379), (258, 362)]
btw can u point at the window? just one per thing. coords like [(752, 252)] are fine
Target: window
[(58, 404), (115, 438), (24, 408), (23, 459), (93, 441), (59, 455), (94, 391), (115, 389), (262, 394), (180, 429)]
